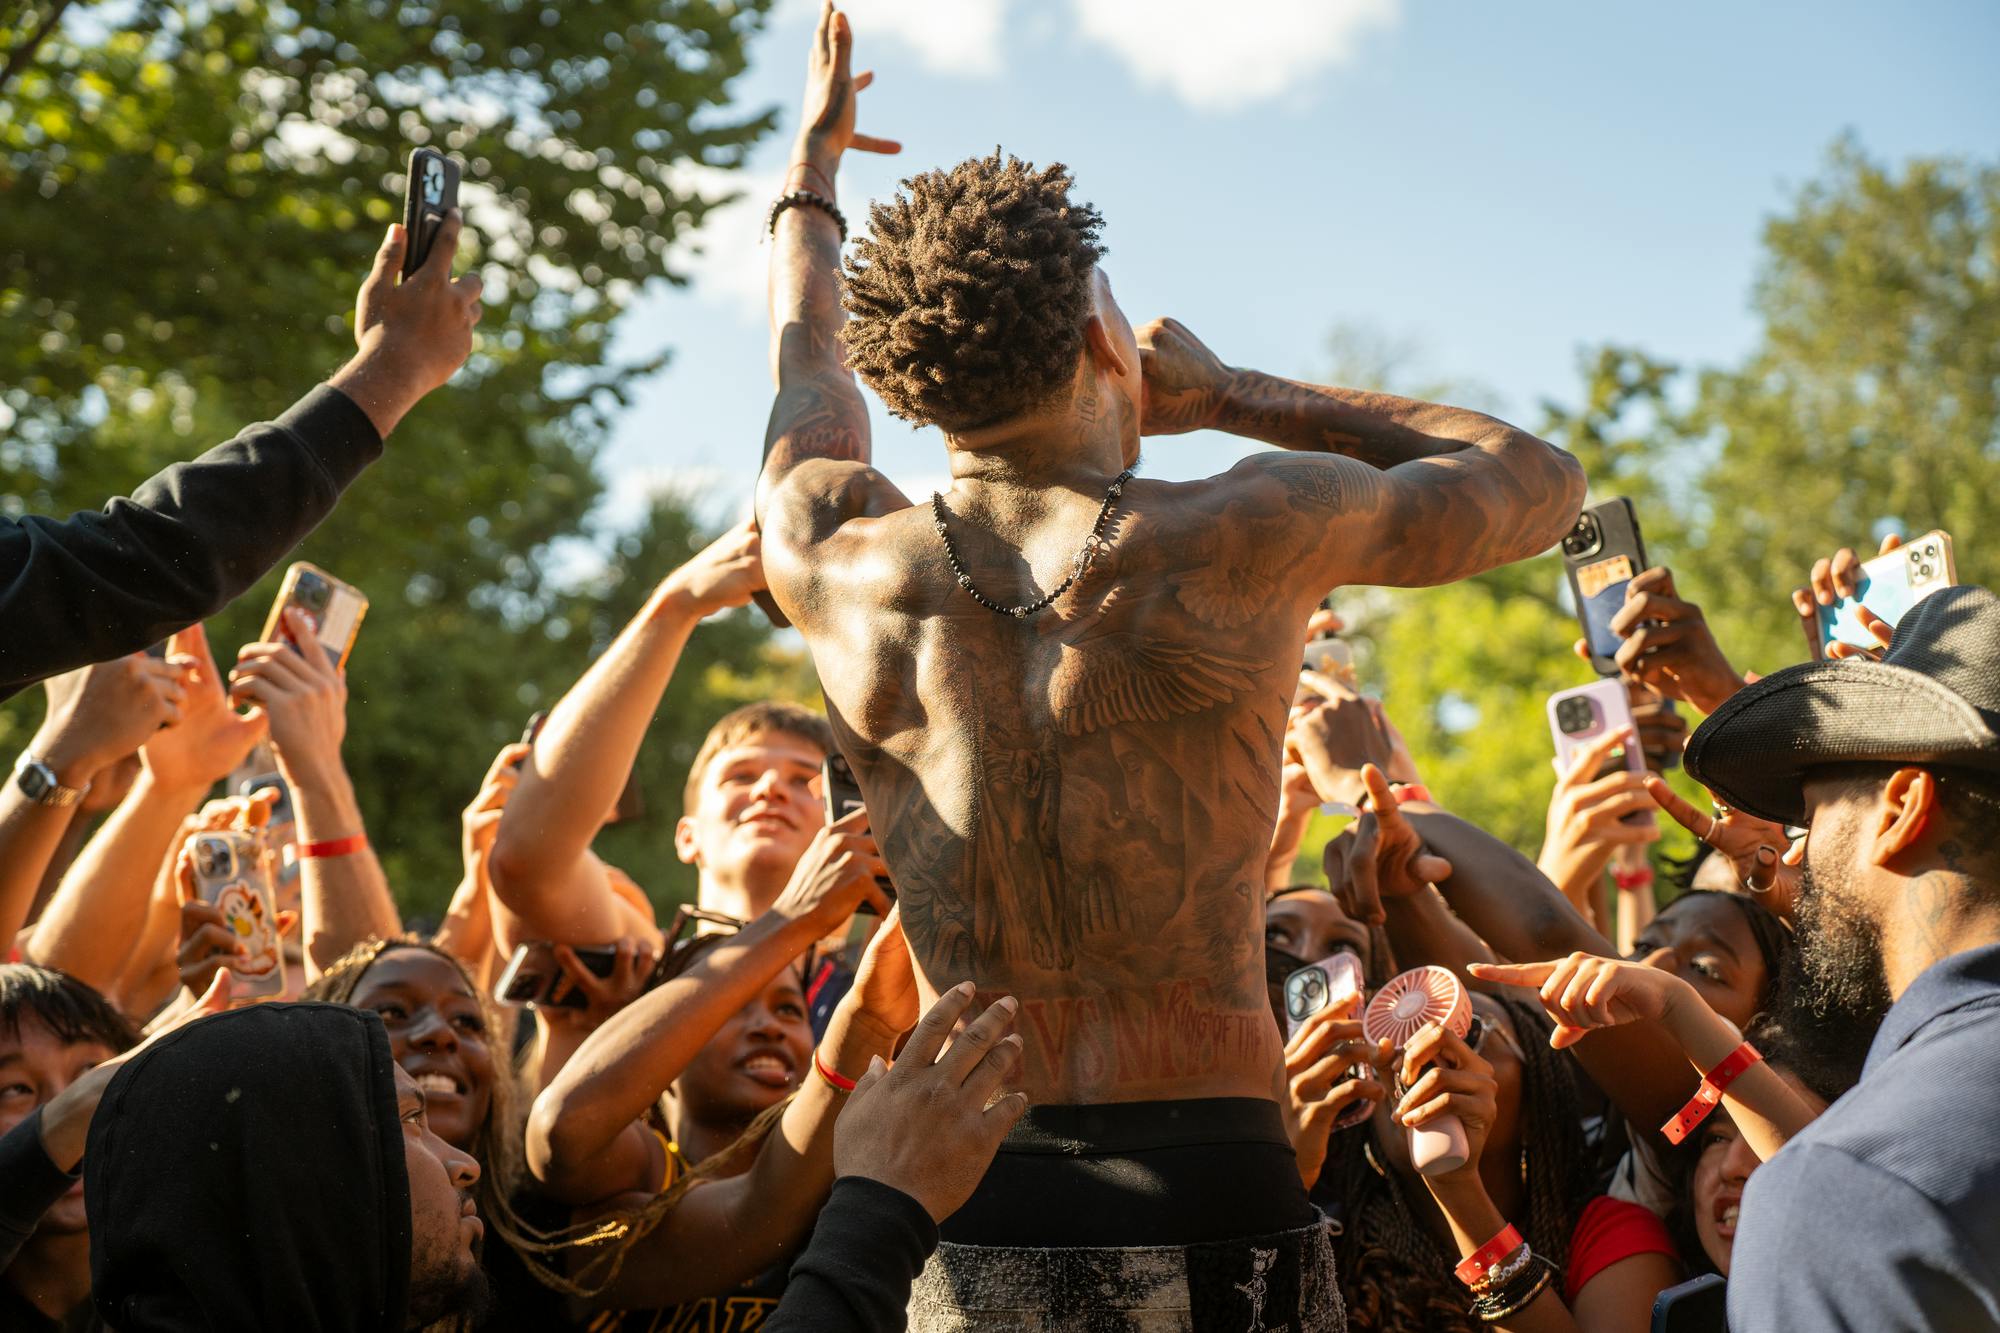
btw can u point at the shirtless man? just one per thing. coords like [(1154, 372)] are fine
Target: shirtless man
[(1064, 691)]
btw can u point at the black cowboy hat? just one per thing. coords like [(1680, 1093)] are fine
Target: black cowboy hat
[(1932, 701)]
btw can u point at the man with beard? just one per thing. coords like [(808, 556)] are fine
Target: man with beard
[(1885, 1214)]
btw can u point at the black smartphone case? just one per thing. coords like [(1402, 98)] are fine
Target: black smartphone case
[(1619, 524), (422, 217)]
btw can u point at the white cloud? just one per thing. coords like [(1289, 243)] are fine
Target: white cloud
[(947, 36), (1226, 57), (726, 258)]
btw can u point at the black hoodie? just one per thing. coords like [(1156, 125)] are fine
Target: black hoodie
[(246, 1173)]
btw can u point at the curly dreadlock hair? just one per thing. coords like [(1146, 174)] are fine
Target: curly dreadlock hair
[(1394, 1277), (969, 295)]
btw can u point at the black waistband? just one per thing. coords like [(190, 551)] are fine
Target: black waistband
[(1111, 1129)]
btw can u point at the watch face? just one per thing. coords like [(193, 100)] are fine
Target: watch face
[(36, 781)]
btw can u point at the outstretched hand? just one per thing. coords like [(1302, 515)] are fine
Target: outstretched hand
[(1382, 855), (1585, 991), (1765, 859), (827, 126), (1831, 580), (930, 1125)]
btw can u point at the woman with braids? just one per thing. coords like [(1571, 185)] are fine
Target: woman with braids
[(1395, 1250), (452, 1040)]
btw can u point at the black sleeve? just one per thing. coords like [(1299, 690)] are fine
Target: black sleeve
[(30, 1184), (868, 1246), (99, 585)]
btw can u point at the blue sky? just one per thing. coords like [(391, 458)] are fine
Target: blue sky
[(1498, 185)]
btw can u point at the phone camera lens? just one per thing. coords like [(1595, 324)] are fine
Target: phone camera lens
[(213, 858), (1924, 569)]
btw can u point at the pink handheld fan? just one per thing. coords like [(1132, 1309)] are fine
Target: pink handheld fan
[(1401, 1009)]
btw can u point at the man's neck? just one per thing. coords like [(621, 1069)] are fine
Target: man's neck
[(1941, 913), (745, 897), (1078, 447), (52, 1271)]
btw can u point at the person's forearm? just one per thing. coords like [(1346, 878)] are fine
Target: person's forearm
[(29, 831), (343, 899), (743, 1225), (1379, 429), (154, 947), (1474, 1221), (1763, 1105), (1578, 873), (109, 582), (1422, 929), (626, 1064), (1286, 839), (586, 749), (1635, 913), (466, 933), (100, 910)]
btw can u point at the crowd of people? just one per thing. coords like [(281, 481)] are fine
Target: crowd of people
[(1013, 1042)]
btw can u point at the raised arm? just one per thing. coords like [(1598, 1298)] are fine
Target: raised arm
[(1410, 493), (547, 883), (101, 584), (343, 894), (816, 448)]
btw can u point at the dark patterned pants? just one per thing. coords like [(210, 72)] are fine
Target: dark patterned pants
[(1282, 1283)]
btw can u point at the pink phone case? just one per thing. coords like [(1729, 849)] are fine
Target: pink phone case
[(1582, 715)]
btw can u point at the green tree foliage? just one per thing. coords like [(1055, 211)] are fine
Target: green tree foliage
[(193, 191), (1870, 403)]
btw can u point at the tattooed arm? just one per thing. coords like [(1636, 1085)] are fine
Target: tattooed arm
[(816, 474), (1394, 491)]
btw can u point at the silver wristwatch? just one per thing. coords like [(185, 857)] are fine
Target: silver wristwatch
[(39, 783)]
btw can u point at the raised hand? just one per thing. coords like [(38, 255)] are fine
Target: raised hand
[(1667, 643), (414, 334), (211, 738), (480, 824), (1329, 1068), (1332, 732), (1587, 817), (1585, 991), (1766, 859), (835, 877), (885, 987), (930, 1125), (99, 714), (1185, 383), (1833, 579), (305, 696), (1381, 855), (826, 127), (725, 573)]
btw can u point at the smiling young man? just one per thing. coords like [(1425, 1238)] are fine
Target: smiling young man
[(53, 1028), (750, 810)]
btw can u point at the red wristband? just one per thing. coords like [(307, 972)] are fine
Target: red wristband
[(839, 1083), (1713, 1085), (1481, 1261), (1412, 791), (1637, 878), (332, 847)]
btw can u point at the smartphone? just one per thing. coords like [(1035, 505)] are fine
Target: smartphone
[(432, 192), (1333, 658), (1890, 585), (333, 608), (843, 798), (1601, 555), (229, 873), (533, 976), (1700, 1305), (1582, 715), (260, 770), (1333, 980)]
